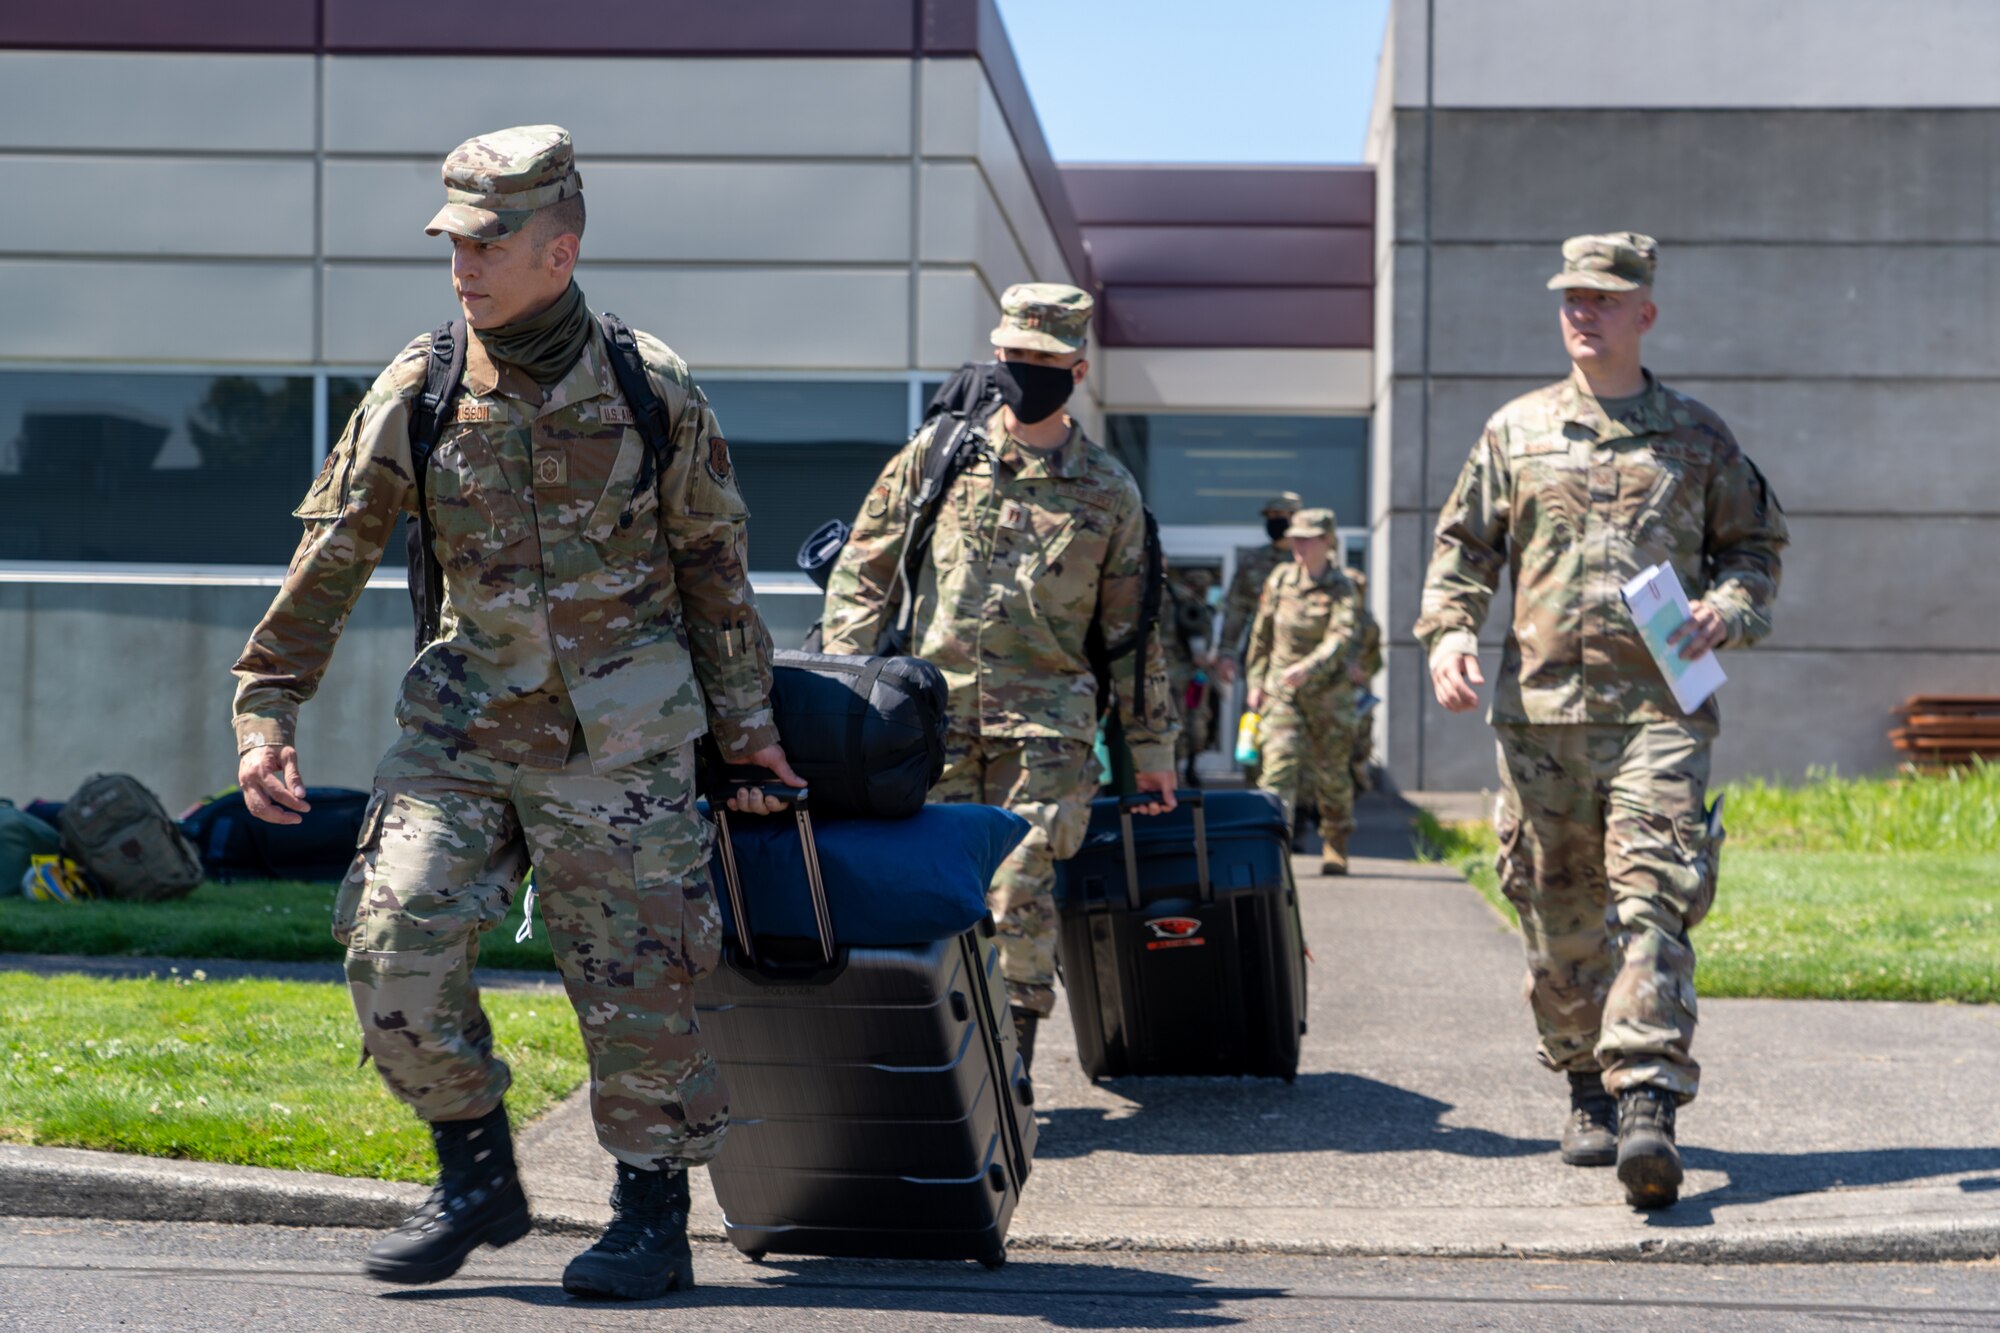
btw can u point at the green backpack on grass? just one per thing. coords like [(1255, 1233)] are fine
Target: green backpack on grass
[(121, 835)]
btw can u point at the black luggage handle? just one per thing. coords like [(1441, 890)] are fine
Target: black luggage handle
[(800, 802), (1126, 805)]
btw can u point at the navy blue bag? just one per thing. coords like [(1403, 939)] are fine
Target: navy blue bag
[(888, 881), (234, 845)]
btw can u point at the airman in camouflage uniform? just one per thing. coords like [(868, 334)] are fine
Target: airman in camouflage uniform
[(591, 629), (1253, 570), (1305, 647), (1574, 490), (1041, 533)]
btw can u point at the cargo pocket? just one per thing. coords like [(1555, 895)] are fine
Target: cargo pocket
[(347, 902), (680, 922), (1701, 840)]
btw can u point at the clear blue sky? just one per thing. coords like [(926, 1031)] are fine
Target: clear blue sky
[(1181, 81)]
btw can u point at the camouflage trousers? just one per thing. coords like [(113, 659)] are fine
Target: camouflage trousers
[(621, 874), (1049, 783), (1604, 852), (1304, 745)]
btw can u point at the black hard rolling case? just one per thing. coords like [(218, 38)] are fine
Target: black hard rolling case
[(879, 1105), (1181, 947)]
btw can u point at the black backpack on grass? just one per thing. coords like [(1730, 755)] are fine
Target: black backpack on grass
[(320, 847)]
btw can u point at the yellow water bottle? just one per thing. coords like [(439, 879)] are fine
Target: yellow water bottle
[(1246, 738)]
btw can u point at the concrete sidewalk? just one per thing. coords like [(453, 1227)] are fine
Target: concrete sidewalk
[(1419, 1125)]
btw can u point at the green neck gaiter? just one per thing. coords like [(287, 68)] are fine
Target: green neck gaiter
[(544, 346)]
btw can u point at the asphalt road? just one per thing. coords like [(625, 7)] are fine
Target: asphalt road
[(81, 1276)]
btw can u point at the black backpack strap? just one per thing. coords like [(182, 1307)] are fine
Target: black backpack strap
[(1152, 594), (429, 413), (956, 442), (649, 414)]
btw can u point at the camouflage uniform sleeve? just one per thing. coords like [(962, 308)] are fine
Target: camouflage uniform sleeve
[(349, 515), (859, 592), (1370, 659), (1470, 553), (1150, 724), (1746, 533), (1263, 633), (1238, 609), (708, 541), (1341, 646)]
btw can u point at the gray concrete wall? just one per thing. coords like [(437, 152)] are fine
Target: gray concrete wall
[(134, 678), (1826, 283), (873, 234), (797, 216)]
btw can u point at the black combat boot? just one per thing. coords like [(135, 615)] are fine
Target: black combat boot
[(1590, 1135), (644, 1252), (1025, 1023), (1649, 1165), (478, 1201)]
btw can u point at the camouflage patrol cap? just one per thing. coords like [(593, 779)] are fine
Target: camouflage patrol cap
[(494, 183), (1284, 502), (1044, 317), (1620, 261), (1311, 523)]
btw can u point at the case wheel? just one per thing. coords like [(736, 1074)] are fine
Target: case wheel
[(995, 1260)]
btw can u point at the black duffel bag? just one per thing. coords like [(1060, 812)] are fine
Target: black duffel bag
[(866, 733), (234, 844)]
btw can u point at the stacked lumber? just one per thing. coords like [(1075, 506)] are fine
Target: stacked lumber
[(1943, 730)]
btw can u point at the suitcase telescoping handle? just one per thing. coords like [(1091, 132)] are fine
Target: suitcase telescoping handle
[(1126, 805), (800, 801)]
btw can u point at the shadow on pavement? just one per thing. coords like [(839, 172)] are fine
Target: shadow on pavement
[(1324, 1112), (1755, 1177), (1060, 1295)]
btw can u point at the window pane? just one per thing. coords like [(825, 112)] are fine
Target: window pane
[(1218, 470), (805, 452), (132, 467)]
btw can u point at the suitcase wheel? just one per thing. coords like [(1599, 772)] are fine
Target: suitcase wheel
[(756, 1256), (995, 1259)]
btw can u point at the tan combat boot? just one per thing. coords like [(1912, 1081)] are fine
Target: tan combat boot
[(1333, 851)]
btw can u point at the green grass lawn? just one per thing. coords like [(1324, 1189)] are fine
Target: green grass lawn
[(266, 920), (1847, 889), (260, 1073)]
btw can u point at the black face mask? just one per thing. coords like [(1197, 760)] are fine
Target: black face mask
[(1276, 527), (1035, 393)]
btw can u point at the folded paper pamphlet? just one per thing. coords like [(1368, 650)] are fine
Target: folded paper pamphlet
[(1659, 606)]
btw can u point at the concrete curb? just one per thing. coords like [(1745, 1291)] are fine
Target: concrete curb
[(1919, 1224)]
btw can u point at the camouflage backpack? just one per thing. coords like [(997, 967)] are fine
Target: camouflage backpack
[(118, 832)]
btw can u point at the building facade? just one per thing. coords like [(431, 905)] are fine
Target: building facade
[(819, 205), (1820, 187), (816, 205)]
